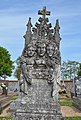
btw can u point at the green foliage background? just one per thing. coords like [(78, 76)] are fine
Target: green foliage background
[(6, 64)]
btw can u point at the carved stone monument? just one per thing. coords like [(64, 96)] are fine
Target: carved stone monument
[(40, 67)]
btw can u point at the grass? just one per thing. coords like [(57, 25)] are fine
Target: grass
[(13, 97), (67, 118), (73, 118), (5, 118), (65, 102)]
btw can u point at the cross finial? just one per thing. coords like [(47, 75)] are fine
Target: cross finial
[(44, 12)]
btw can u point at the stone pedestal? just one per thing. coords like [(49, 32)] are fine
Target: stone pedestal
[(38, 104)]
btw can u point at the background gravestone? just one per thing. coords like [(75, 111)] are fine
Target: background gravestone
[(40, 68)]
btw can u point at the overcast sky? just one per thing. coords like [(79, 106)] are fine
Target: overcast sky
[(14, 15)]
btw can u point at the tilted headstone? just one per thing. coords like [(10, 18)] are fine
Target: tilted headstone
[(40, 67)]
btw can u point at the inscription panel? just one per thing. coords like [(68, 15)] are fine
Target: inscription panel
[(36, 117)]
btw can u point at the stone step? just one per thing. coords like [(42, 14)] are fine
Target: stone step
[(77, 103), (4, 102), (2, 96)]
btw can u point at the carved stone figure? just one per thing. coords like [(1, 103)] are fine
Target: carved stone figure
[(30, 50), (25, 70), (27, 62), (57, 56), (50, 49), (41, 48)]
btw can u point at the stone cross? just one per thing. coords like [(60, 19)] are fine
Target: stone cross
[(44, 12)]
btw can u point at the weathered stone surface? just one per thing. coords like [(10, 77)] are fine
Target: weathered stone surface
[(40, 67)]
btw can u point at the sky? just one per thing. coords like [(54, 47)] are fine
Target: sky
[(14, 15)]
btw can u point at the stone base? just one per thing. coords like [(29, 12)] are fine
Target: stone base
[(21, 115), (20, 111), (38, 104)]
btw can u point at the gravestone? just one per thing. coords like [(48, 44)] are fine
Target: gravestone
[(76, 92), (40, 68)]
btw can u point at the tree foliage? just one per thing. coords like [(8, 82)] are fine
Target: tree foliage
[(79, 70), (17, 70), (6, 64), (69, 69)]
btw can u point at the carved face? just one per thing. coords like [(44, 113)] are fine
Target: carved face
[(50, 49), (30, 51), (41, 49)]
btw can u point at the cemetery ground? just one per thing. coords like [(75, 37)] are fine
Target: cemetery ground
[(5, 102), (67, 108)]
